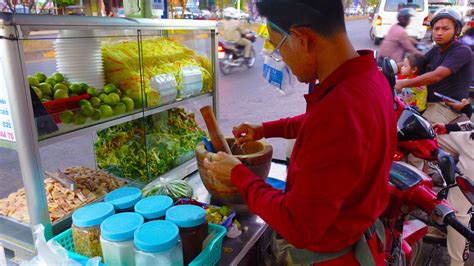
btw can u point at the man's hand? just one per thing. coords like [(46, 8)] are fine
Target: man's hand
[(247, 132), (458, 106), (440, 128), (220, 165)]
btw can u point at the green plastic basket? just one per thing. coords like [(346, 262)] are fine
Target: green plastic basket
[(211, 255)]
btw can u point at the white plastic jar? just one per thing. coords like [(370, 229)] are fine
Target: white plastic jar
[(157, 243), (116, 238)]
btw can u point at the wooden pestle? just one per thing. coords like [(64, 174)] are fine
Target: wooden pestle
[(217, 139)]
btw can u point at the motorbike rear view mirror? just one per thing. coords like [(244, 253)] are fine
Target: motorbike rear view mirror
[(467, 187), (447, 166), (390, 69)]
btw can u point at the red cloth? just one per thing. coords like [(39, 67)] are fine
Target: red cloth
[(337, 184)]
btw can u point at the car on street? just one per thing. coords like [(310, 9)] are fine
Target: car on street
[(385, 16)]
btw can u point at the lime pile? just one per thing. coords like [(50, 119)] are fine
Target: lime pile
[(56, 87), (101, 105)]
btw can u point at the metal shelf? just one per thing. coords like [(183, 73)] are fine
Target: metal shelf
[(93, 127)]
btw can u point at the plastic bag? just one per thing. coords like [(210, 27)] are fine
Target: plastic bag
[(277, 74), (52, 253), (175, 189)]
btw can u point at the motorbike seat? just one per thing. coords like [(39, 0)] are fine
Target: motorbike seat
[(233, 46)]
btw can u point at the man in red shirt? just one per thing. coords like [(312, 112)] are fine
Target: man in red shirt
[(337, 183)]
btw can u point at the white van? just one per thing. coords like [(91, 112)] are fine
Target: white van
[(385, 15)]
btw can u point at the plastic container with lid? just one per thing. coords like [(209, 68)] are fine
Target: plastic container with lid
[(157, 243), (191, 81), (193, 228), (154, 208), (124, 199), (116, 238), (166, 85), (86, 228)]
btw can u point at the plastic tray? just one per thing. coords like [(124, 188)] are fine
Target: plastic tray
[(55, 107), (226, 223), (210, 255)]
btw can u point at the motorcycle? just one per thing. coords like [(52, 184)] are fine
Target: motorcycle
[(411, 188), (231, 55), (416, 135)]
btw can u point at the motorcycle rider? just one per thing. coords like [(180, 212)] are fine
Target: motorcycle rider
[(450, 70), (397, 43), (233, 31), (337, 183)]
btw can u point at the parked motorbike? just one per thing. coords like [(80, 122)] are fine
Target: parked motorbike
[(411, 188), (231, 55)]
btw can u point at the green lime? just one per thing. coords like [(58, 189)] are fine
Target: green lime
[(84, 102), (60, 94), (33, 81), (112, 99), (40, 76), (106, 110), (129, 103), (109, 88), (60, 86), (92, 91), (76, 89), (95, 101), (97, 114), (102, 96), (58, 77), (67, 117), (87, 110), (79, 119), (136, 96), (84, 86), (46, 89), (51, 81), (38, 92), (115, 97), (120, 108)]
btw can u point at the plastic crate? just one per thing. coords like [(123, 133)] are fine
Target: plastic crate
[(55, 107), (226, 223), (210, 255)]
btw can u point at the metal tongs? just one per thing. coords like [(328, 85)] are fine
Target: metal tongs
[(62, 178)]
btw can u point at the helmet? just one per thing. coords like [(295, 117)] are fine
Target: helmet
[(231, 12), (450, 13), (406, 12)]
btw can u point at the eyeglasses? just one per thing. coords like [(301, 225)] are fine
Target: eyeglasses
[(275, 55)]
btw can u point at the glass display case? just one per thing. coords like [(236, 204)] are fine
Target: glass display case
[(90, 104)]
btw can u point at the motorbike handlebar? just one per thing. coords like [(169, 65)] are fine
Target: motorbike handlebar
[(451, 220)]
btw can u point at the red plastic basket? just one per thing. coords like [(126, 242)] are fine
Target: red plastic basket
[(56, 107)]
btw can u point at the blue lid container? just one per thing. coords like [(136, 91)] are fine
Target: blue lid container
[(92, 215), (121, 227), (186, 216), (156, 236), (124, 198), (154, 207)]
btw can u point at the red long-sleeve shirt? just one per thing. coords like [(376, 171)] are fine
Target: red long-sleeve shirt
[(337, 183)]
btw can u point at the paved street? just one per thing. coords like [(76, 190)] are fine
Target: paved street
[(244, 96)]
